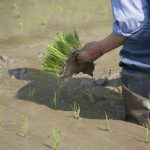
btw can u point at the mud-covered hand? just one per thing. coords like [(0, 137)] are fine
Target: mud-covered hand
[(72, 66), (89, 53)]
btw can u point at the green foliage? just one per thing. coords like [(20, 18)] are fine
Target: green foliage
[(58, 52), (76, 109), (24, 127), (55, 139)]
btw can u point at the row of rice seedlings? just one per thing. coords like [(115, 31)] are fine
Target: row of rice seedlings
[(55, 139), (107, 122), (1, 115), (90, 96), (146, 133), (58, 52), (76, 110), (24, 127), (32, 92)]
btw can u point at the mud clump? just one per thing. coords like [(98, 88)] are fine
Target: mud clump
[(72, 67)]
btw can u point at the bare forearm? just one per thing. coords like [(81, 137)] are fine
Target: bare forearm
[(94, 50), (111, 42)]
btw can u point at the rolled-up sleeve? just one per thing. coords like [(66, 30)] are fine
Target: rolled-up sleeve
[(129, 16)]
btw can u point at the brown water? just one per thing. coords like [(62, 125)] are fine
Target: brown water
[(26, 28)]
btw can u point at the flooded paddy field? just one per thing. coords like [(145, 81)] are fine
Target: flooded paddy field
[(35, 103)]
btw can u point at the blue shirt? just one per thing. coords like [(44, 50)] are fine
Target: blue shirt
[(132, 19), (129, 16)]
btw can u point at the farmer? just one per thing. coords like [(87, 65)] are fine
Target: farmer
[(131, 28)]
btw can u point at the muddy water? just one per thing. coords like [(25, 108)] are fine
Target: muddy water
[(26, 28)]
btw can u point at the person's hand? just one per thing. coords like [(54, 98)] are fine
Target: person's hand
[(89, 53)]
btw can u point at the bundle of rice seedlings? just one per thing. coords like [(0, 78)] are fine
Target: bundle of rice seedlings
[(58, 53)]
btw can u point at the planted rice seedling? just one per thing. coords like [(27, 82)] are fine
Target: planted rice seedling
[(21, 24), (16, 10), (56, 97), (90, 95), (15, 4), (17, 13), (55, 139), (57, 53), (107, 122), (55, 100), (146, 132), (34, 2), (24, 127), (31, 92), (119, 89), (1, 115), (43, 22), (76, 110), (7, 83), (84, 147)]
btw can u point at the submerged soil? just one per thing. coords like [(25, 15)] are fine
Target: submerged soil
[(27, 91)]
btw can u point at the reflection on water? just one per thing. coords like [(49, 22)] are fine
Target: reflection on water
[(46, 18)]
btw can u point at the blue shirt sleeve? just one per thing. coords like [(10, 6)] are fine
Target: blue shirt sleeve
[(129, 16)]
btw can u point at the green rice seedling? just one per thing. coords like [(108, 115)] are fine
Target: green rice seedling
[(55, 100), (21, 24), (90, 95), (24, 127), (57, 53), (43, 22), (55, 139), (76, 110), (119, 89), (84, 147), (34, 2), (31, 92), (107, 122), (1, 115), (56, 6), (56, 97), (17, 13), (7, 83), (15, 4), (146, 132), (17, 9)]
